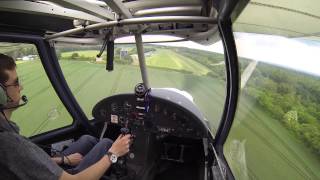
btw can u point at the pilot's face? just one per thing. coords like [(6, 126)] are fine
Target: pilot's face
[(13, 88)]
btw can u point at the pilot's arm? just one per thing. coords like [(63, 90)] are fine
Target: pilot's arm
[(120, 147)]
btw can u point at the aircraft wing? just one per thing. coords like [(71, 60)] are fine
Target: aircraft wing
[(289, 18)]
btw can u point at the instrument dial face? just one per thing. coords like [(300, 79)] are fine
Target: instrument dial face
[(156, 108), (127, 106), (114, 107), (174, 116), (165, 112)]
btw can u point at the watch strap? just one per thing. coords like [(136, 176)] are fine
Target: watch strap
[(109, 153)]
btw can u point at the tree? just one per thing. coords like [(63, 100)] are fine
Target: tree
[(291, 120), (74, 55)]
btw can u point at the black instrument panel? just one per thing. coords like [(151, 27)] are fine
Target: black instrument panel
[(160, 116)]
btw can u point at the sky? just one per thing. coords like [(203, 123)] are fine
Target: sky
[(301, 55), (298, 54)]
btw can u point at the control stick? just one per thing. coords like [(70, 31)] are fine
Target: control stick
[(120, 168), (124, 131)]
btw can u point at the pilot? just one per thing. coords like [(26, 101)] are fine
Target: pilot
[(21, 159)]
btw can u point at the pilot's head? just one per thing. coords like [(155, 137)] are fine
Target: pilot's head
[(9, 81)]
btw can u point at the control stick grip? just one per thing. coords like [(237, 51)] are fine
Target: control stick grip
[(124, 131)]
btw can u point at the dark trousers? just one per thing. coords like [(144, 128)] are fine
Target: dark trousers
[(90, 148)]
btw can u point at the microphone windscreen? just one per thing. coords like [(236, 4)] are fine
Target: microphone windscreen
[(24, 98)]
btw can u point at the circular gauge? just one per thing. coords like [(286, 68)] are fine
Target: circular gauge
[(114, 107), (103, 113), (156, 108), (165, 112), (174, 116), (127, 106)]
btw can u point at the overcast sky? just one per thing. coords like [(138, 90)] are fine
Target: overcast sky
[(303, 55)]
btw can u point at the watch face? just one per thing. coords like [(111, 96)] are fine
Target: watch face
[(113, 158)]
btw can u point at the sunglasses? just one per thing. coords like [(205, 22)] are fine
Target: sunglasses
[(15, 84)]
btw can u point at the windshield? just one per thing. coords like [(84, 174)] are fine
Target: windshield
[(188, 67)]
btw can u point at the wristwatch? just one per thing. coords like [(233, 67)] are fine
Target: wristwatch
[(113, 158)]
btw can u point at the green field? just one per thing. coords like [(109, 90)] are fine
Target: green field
[(270, 151), (166, 58)]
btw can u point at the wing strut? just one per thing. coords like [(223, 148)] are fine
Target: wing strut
[(245, 76), (142, 62)]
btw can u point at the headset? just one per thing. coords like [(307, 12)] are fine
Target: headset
[(4, 99)]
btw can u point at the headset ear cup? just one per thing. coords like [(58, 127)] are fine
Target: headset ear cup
[(3, 96)]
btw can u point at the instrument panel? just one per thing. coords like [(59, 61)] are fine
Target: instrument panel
[(156, 115)]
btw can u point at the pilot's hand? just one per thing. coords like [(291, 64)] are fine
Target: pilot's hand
[(73, 159), (121, 146)]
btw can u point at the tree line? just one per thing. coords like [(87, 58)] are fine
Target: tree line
[(126, 59), (19, 50), (291, 97)]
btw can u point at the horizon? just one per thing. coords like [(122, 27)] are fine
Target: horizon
[(271, 49)]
